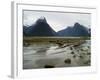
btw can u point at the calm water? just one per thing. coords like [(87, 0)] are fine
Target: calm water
[(38, 55)]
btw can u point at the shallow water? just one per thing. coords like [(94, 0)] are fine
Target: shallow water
[(37, 55)]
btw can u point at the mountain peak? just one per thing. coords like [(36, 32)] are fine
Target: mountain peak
[(76, 30), (41, 19), (40, 28), (76, 24)]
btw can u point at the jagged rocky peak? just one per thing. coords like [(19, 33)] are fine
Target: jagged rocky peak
[(41, 19), (76, 24)]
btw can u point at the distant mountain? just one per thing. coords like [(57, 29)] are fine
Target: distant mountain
[(25, 30), (76, 30), (89, 31), (40, 28)]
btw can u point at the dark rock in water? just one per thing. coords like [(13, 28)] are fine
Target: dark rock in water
[(67, 61), (81, 56), (71, 48), (74, 56), (87, 62), (49, 66), (81, 49), (76, 45), (88, 53), (59, 43), (72, 53), (88, 46)]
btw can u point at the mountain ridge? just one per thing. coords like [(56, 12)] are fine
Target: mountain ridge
[(41, 28), (76, 30)]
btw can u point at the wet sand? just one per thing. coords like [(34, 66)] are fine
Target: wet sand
[(51, 55)]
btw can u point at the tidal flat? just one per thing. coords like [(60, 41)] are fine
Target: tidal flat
[(41, 53)]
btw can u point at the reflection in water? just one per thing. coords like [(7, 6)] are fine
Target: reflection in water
[(50, 55)]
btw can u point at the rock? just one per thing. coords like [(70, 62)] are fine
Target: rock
[(82, 49), (88, 53), (87, 62), (81, 56), (59, 44), (67, 61), (76, 45), (74, 56), (49, 66), (71, 48), (72, 52), (88, 46)]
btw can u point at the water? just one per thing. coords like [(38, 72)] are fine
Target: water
[(37, 55)]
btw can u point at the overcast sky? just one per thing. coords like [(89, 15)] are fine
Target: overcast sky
[(57, 21)]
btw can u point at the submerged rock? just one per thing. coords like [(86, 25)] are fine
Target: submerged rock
[(87, 62), (81, 57), (72, 53), (67, 61), (88, 53), (71, 48), (74, 56), (49, 66)]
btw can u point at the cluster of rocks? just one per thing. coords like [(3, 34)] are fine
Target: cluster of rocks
[(80, 53)]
